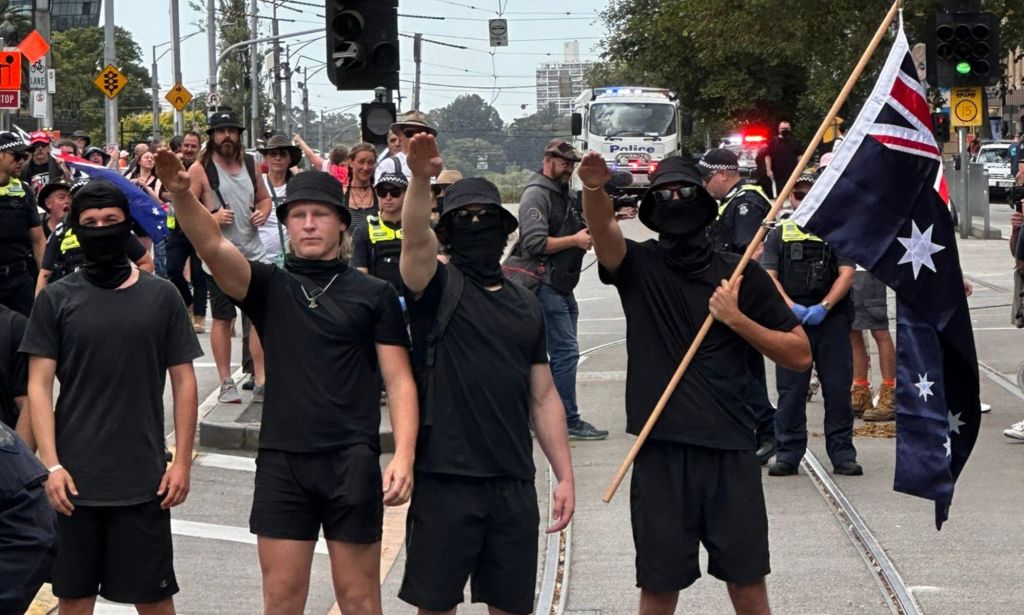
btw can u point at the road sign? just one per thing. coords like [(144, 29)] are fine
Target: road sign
[(34, 46), (179, 97), (10, 99), (10, 69), (37, 74), (498, 29), (110, 81), (965, 104), (51, 81), (40, 99), (212, 100)]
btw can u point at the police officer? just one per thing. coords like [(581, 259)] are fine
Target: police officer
[(21, 231), (742, 207), (377, 250), (814, 281)]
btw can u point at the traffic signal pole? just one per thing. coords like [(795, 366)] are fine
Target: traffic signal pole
[(110, 57), (254, 78)]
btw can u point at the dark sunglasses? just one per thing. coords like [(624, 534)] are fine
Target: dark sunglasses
[(468, 215), (685, 193), (411, 132), (20, 156), (799, 194), (438, 189), (383, 191), (275, 153)]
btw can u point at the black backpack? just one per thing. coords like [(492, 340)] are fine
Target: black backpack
[(214, 177)]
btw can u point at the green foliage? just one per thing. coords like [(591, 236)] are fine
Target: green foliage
[(138, 127), (78, 58), (462, 154), (467, 117), (528, 136), (20, 19)]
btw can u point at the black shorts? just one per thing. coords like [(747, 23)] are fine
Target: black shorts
[(221, 307), (870, 306), (682, 496), (123, 553), (461, 527), (297, 493)]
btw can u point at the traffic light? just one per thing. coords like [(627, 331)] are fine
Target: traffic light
[(375, 120), (362, 44), (963, 50), (940, 128)]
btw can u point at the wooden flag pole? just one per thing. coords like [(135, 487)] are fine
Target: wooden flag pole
[(758, 239)]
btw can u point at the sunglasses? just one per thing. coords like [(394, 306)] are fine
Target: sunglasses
[(466, 216), (685, 193), (278, 153), (411, 132), (383, 191), (799, 194), (438, 189)]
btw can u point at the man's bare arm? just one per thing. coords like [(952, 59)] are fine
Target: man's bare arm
[(38, 244), (418, 262), (405, 417), (598, 210), (41, 373), (548, 417)]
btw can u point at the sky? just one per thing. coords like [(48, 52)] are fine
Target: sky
[(537, 30)]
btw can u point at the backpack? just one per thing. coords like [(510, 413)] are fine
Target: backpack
[(214, 177), (450, 296)]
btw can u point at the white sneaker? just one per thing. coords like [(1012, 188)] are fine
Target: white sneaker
[(1016, 431), (986, 408)]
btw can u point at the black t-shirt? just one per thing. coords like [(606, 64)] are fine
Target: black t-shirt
[(13, 365), (18, 215), (784, 154), (664, 310), (113, 348), (380, 266), (62, 246), (322, 390), (482, 371)]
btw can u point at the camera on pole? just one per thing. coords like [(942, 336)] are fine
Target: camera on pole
[(963, 50), (362, 44)]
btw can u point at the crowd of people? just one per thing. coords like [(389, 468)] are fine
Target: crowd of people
[(364, 280)]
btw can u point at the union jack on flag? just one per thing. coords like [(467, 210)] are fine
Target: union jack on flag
[(883, 202)]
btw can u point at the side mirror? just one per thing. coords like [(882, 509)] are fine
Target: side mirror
[(577, 124), (686, 123)]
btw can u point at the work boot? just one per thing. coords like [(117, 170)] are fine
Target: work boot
[(198, 323), (848, 468), (860, 399), (886, 408), (765, 445), (781, 468)]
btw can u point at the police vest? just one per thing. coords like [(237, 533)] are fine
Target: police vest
[(69, 253), (721, 232), (809, 266), (15, 209), (385, 249)]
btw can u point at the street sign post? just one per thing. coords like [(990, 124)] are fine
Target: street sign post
[(110, 81), (498, 29), (965, 105), (10, 99), (34, 46), (10, 69), (40, 98), (37, 73), (179, 97), (212, 100)]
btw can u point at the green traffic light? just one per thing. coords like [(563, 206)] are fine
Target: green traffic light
[(963, 68)]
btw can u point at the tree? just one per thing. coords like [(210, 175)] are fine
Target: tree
[(138, 127), (77, 59), (18, 20), (467, 117), (528, 136), (463, 154)]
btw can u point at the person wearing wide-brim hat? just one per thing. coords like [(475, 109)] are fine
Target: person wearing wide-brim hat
[(96, 155), (278, 141), (697, 478), (55, 198), (333, 332), (280, 157), (81, 139), (223, 119), (405, 128)]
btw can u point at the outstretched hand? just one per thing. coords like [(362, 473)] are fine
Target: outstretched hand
[(171, 172), (424, 158), (593, 170)]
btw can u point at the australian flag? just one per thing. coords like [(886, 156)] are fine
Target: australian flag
[(881, 203), (149, 213)]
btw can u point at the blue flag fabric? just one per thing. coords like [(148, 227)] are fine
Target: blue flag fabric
[(149, 213), (879, 204)]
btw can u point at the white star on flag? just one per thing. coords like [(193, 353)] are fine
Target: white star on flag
[(949, 447), (919, 248), (156, 212), (924, 386), (954, 422)]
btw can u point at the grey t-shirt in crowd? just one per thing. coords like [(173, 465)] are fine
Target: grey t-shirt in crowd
[(240, 197)]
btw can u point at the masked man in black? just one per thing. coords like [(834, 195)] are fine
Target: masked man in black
[(697, 478)]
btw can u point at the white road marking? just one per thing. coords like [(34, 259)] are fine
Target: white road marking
[(600, 376), (614, 319), (226, 462), (211, 531)]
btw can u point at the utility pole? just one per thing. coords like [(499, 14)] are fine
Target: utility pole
[(254, 78), (42, 20), (320, 141), (417, 45), (305, 101), (179, 116), (154, 83), (289, 123), (277, 73), (110, 57), (211, 47)]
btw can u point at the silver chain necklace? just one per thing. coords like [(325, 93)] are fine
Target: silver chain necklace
[(317, 293)]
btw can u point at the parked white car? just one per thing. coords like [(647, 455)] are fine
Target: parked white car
[(996, 158)]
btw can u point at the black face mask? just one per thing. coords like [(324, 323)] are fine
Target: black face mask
[(104, 248), (683, 241), (476, 250), (313, 268), (785, 134)]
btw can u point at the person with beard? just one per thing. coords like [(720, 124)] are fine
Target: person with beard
[(329, 330), (552, 241), (240, 204), (696, 480), (41, 168), (815, 282), (104, 445), (21, 233), (742, 207), (781, 155), (480, 353)]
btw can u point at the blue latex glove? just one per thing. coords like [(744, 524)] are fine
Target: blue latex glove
[(799, 311), (815, 314)]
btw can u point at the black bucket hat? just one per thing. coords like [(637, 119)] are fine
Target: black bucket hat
[(89, 151), (223, 119), (50, 188), (81, 134), (471, 191), (675, 170), (316, 187), (279, 141)]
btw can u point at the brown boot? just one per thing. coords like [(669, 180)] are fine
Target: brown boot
[(860, 399), (886, 408), (198, 323)]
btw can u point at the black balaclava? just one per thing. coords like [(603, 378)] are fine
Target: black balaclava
[(104, 248), (683, 242), (476, 248)]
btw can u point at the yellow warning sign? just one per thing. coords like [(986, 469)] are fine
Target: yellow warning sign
[(110, 81), (965, 105), (179, 97)]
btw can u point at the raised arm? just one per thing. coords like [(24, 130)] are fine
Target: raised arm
[(599, 212), (313, 157), (229, 267), (419, 243)]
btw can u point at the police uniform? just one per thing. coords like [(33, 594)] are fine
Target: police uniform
[(807, 269), (18, 216), (385, 245), (739, 217)]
